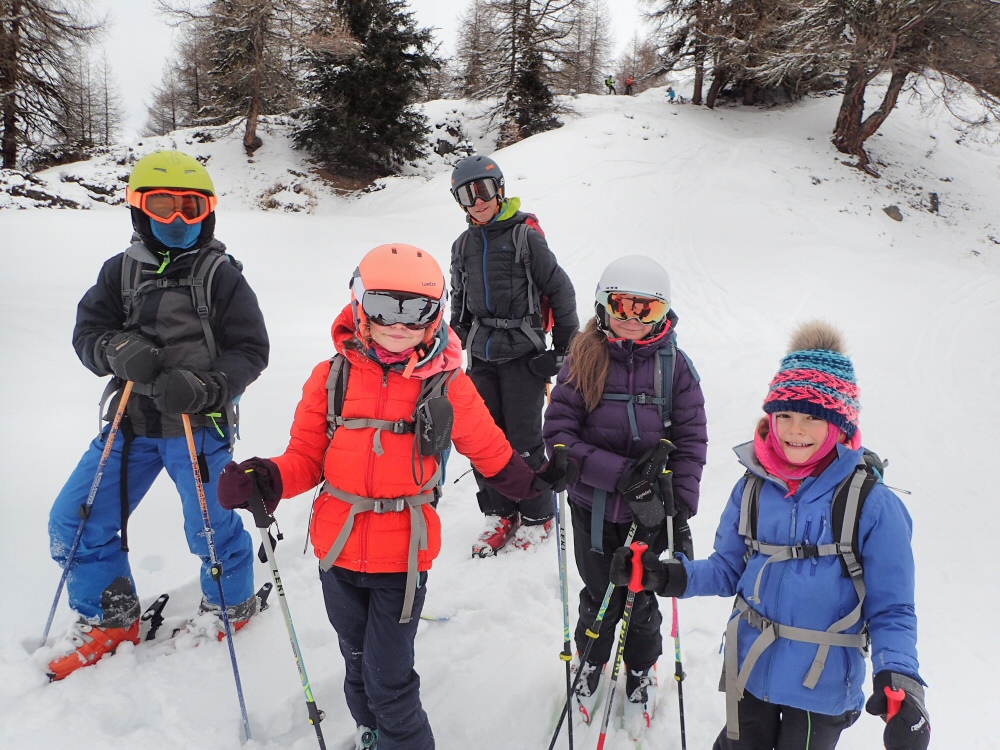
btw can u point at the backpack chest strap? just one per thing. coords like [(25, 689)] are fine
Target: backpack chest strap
[(398, 427), (418, 530), (631, 399)]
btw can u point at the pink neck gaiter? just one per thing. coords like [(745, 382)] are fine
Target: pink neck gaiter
[(772, 456), (391, 358)]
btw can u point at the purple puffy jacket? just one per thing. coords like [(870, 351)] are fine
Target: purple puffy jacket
[(601, 441)]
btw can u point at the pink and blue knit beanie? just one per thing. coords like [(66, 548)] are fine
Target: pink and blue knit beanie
[(817, 378)]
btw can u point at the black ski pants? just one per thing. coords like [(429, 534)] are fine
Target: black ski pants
[(380, 684), (515, 397), (767, 726), (643, 642)]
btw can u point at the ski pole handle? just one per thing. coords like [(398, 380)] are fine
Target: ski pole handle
[(895, 698), (560, 455), (635, 582), (261, 518)]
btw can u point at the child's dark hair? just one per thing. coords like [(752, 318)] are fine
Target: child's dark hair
[(589, 362)]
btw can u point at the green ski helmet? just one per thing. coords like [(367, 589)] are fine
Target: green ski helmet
[(169, 169)]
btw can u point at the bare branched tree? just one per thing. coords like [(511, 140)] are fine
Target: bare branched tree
[(248, 45), (39, 40)]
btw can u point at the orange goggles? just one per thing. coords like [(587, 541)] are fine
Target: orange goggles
[(165, 205), (626, 306)]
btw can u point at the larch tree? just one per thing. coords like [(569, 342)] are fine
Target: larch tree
[(39, 43), (247, 44)]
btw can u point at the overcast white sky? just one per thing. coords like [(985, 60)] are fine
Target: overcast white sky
[(139, 41)]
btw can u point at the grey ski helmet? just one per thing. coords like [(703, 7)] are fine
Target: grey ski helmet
[(475, 168), (638, 274)]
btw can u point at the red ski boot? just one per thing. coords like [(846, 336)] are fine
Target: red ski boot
[(497, 533), (90, 644)]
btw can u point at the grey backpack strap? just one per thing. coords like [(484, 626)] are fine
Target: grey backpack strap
[(202, 276), (664, 382), (522, 255), (336, 391)]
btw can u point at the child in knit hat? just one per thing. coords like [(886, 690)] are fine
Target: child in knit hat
[(801, 625)]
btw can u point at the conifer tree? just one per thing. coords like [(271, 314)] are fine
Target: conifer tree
[(359, 117)]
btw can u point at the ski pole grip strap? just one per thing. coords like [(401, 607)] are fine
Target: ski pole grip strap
[(262, 519), (635, 582)]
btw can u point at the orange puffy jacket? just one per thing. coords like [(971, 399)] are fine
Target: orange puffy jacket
[(378, 543)]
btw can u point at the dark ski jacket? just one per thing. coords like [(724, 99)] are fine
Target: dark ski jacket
[(486, 282), (601, 441), (167, 316)]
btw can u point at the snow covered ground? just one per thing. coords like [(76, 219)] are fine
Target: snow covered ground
[(761, 227)]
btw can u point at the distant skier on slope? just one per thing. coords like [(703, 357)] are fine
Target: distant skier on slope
[(140, 322), (399, 396)]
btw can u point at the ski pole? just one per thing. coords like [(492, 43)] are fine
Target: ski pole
[(263, 520), (668, 497), (85, 509), (593, 633), (216, 565), (667, 493), (634, 586), (559, 459)]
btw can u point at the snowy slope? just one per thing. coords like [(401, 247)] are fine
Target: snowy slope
[(761, 227)]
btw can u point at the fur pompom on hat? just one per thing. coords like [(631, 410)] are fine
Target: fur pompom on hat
[(816, 377)]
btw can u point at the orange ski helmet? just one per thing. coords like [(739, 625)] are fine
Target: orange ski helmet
[(397, 268)]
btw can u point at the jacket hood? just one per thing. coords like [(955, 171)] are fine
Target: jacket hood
[(445, 355)]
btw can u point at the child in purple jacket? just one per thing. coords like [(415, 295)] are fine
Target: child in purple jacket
[(623, 389)]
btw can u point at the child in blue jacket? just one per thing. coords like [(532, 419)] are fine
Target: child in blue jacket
[(801, 625)]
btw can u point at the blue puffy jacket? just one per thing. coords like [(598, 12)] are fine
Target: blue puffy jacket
[(814, 593)]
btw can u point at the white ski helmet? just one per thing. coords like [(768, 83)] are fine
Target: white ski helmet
[(638, 274)]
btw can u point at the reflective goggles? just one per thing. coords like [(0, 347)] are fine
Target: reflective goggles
[(165, 205), (412, 310), (626, 306), (485, 188)]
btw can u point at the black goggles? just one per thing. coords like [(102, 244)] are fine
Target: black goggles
[(412, 310), (485, 188)]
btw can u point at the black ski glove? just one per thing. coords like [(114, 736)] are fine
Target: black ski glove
[(547, 364), (189, 392), (556, 478), (683, 540), (237, 482), (907, 725), (663, 577), (131, 356)]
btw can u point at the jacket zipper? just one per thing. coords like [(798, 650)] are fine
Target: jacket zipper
[(370, 475), (628, 450), (486, 291)]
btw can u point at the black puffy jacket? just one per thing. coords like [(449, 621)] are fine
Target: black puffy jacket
[(488, 283), (167, 316)]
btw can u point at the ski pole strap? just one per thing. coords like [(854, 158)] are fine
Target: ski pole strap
[(597, 520), (770, 631), (418, 530)]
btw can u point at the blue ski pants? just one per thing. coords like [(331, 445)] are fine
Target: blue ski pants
[(381, 686), (99, 558)]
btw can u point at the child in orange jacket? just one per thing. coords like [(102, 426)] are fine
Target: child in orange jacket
[(402, 394)]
